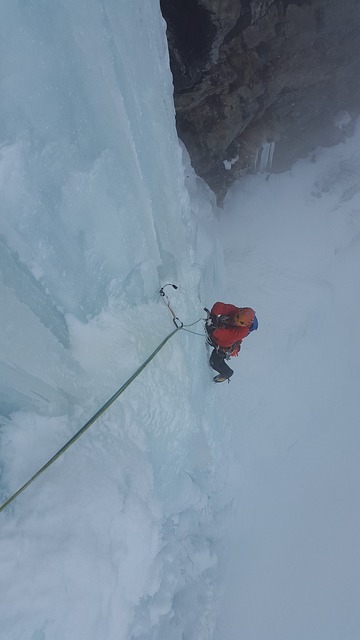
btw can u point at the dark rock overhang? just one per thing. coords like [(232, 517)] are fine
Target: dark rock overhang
[(261, 74)]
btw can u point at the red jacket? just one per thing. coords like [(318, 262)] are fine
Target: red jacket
[(228, 335)]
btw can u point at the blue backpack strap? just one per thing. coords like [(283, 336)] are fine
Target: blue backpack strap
[(254, 325)]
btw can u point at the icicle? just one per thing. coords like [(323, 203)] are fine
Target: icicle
[(265, 157)]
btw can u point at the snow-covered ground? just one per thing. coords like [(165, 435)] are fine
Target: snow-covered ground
[(292, 246), (189, 510)]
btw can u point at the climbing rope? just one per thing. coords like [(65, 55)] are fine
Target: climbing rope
[(89, 422), (195, 333), (178, 325)]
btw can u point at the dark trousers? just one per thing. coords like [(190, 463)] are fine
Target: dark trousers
[(217, 362)]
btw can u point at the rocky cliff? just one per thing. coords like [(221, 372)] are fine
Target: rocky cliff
[(260, 83)]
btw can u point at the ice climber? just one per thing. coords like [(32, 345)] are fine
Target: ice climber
[(226, 327)]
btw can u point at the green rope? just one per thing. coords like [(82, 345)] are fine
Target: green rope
[(195, 333), (91, 421), (192, 323)]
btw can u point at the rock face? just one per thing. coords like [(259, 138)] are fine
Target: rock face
[(260, 83)]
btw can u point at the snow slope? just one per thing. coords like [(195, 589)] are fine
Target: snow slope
[(292, 247)]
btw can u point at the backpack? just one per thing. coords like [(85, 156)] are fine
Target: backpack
[(254, 325)]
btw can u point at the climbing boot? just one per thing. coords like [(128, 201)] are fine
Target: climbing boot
[(220, 378)]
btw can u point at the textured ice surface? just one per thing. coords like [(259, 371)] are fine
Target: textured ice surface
[(117, 538)]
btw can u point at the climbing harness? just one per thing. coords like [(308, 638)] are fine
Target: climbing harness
[(178, 325)]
